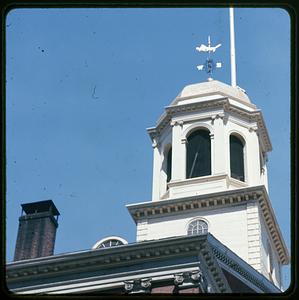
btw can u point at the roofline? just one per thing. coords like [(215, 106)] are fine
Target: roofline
[(232, 257), (207, 246), (190, 198), (223, 102)]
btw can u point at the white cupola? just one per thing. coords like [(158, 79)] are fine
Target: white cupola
[(211, 138), (210, 176)]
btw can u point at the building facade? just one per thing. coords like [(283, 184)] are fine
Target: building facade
[(209, 228), (210, 152)]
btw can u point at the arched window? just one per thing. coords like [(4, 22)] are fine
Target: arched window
[(168, 164), (198, 154), (197, 227), (236, 158), (110, 241)]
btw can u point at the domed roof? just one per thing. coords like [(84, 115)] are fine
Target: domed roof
[(211, 90)]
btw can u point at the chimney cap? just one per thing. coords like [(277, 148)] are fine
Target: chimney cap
[(40, 206)]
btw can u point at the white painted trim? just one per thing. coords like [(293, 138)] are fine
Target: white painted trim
[(198, 218), (196, 126), (95, 283), (197, 180), (105, 239)]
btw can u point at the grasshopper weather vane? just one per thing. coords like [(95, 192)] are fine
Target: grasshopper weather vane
[(209, 65)]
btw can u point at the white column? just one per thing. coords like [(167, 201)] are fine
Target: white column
[(252, 159), (178, 158), (219, 148), (156, 172), (265, 177)]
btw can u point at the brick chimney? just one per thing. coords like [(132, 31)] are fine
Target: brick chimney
[(37, 230)]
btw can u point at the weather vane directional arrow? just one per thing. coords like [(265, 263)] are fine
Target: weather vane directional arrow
[(209, 65)]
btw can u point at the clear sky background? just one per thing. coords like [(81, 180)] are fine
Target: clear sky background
[(84, 84)]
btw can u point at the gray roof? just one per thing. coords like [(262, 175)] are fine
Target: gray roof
[(101, 269)]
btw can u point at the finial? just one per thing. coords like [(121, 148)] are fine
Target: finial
[(209, 65)]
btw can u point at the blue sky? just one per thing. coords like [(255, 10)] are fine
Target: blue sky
[(84, 84)]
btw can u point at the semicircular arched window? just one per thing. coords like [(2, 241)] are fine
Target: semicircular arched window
[(197, 227), (236, 158), (110, 241), (198, 154)]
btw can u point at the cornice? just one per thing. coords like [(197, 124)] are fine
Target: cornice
[(224, 103), (216, 200), (101, 258), (211, 200), (235, 263), (179, 98), (172, 110), (273, 227), (208, 250), (76, 263), (207, 257)]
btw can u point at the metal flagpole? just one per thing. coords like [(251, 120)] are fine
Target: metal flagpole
[(232, 48)]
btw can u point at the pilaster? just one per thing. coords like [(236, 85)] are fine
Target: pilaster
[(156, 171), (178, 161), (142, 230), (254, 235), (219, 146), (253, 157)]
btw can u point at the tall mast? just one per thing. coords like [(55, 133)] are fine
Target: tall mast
[(232, 48)]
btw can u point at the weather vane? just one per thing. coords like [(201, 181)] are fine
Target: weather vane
[(209, 65)]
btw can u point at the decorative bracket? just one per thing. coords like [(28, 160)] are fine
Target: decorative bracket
[(253, 128), (138, 286), (222, 116), (129, 285), (175, 123), (155, 144), (178, 278)]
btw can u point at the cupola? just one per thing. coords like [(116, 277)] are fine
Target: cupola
[(211, 138)]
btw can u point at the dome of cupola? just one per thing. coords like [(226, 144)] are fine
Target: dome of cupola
[(211, 90)]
